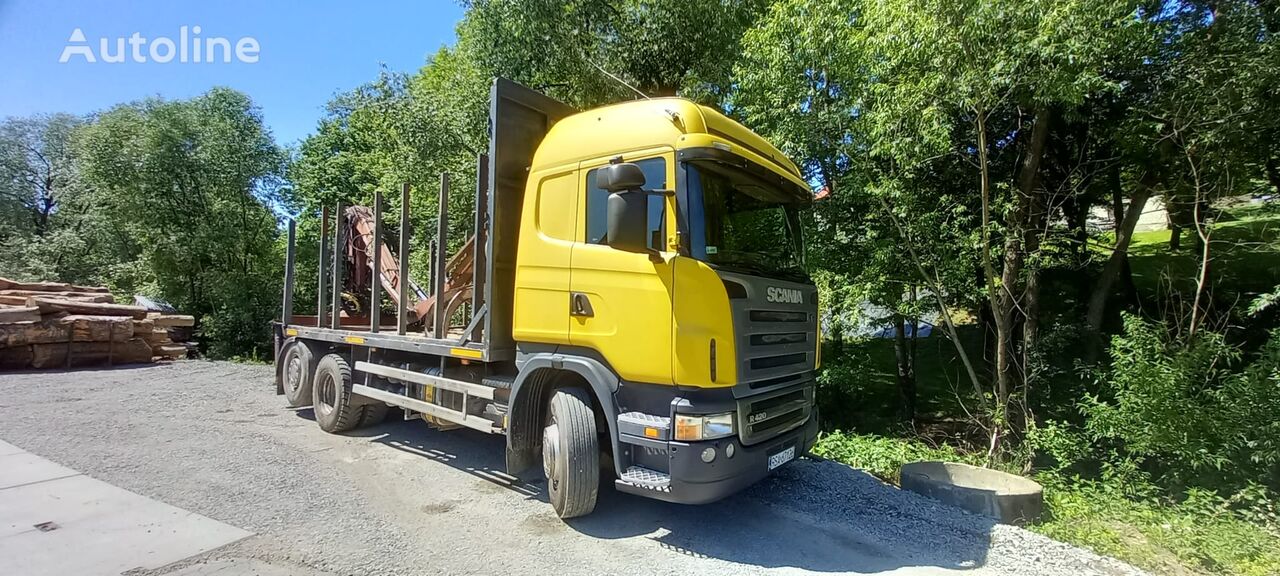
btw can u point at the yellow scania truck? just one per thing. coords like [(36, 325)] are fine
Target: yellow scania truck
[(631, 304)]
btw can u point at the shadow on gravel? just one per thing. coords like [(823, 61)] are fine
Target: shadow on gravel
[(813, 515)]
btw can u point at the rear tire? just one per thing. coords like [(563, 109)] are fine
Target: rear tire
[(337, 409), (297, 374), (374, 414), (571, 454)]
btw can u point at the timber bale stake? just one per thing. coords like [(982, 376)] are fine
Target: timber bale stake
[(79, 296), (156, 337), (131, 351), (16, 300), (23, 333), (172, 320), (170, 351), (49, 304), (55, 325), (22, 314), (71, 328), (7, 284), (98, 328)]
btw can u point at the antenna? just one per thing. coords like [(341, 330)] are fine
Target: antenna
[(619, 80)]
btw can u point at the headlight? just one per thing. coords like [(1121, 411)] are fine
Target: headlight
[(704, 427)]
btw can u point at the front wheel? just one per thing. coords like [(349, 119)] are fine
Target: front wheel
[(571, 454)]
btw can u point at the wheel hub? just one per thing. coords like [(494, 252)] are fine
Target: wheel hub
[(293, 373), (328, 394), (550, 447)]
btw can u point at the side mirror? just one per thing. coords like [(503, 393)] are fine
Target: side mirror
[(627, 217), (620, 177)]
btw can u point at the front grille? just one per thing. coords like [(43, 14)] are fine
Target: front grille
[(776, 361), (777, 316), (771, 339), (774, 340), (770, 382), (776, 343), (768, 415)]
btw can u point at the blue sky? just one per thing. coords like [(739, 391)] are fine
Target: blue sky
[(308, 52)]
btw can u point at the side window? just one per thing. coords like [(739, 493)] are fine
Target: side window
[(655, 178)]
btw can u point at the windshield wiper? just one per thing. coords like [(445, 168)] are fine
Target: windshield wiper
[(739, 262)]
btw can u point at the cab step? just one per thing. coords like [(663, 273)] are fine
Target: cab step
[(642, 477)]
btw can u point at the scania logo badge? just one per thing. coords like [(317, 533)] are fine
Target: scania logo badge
[(783, 295)]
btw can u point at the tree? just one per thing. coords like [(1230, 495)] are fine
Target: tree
[(37, 167), (49, 224), (588, 52), (916, 101), (804, 81), (190, 183)]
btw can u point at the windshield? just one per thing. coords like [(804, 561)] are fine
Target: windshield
[(739, 223)]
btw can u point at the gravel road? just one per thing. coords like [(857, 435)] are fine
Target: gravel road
[(401, 498)]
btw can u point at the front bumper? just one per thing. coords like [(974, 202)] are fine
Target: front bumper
[(693, 481)]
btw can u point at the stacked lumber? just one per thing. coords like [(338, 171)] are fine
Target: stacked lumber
[(169, 334), (55, 325)]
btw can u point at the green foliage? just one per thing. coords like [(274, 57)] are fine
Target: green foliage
[(1186, 411), (880, 456), (185, 186), (50, 228), (37, 169), (857, 390), (570, 48)]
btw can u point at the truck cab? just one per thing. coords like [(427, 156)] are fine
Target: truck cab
[(661, 240)]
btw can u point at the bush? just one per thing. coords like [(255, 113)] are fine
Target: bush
[(1186, 411), (1175, 463), (880, 456)]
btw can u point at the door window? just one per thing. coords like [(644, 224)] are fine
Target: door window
[(655, 178)]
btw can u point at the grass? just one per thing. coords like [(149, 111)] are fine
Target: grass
[(881, 456), (1200, 535), (1244, 253)]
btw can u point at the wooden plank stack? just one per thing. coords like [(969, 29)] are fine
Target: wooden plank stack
[(54, 325)]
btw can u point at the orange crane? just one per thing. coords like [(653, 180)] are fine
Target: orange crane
[(458, 271)]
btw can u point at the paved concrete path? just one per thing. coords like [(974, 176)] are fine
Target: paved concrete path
[(56, 521)]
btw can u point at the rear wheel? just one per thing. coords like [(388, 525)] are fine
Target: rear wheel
[(571, 454), (336, 407), (298, 372)]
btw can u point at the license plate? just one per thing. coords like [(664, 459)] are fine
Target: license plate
[(782, 457)]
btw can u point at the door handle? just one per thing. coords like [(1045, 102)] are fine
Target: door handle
[(580, 305)]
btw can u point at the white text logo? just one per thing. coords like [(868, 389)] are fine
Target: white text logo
[(189, 47), (783, 295)]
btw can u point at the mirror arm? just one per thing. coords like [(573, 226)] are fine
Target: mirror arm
[(655, 256)]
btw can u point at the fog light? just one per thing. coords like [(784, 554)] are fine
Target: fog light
[(729, 450), (708, 454)]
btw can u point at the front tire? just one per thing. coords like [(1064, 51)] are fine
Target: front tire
[(571, 454), (298, 372), (337, 409)]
